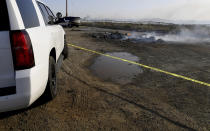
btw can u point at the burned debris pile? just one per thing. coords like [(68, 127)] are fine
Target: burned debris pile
[(128, 37)]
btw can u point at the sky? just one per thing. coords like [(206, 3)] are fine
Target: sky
[(174, 10)]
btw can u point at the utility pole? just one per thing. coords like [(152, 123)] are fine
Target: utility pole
[(66, 8)]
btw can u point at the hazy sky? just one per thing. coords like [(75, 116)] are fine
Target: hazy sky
[(136, 9)]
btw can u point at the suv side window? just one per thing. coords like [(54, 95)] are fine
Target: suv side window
[(49, 11), (44, 13), (4, 25), (28, 13)]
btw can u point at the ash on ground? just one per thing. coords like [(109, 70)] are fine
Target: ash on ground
[(129, 37)]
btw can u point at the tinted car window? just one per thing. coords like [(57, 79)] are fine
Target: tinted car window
[(28, 13), (44, 13), (4, 22), (49, 11)]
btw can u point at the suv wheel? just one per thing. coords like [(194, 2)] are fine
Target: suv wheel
[(51, 89)]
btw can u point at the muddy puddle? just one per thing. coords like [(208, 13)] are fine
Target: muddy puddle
[(117, 71)]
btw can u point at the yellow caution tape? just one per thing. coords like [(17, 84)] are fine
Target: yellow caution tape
[(144, 66)]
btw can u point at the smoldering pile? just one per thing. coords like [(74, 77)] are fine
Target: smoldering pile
[(129, 37), (191, 34)]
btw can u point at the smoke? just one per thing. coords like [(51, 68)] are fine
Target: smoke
[(196, 35), (181, 11)]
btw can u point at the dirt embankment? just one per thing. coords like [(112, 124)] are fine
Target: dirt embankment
[(151, 101)]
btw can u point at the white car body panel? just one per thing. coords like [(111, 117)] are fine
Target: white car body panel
[(30, 83), (16, 22)]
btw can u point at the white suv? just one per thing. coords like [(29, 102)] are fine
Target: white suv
[(32, 48)]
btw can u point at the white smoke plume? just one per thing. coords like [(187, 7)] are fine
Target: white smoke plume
[(182, 11), (195, 35)]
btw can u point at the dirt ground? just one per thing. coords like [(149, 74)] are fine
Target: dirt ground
[(152, 101)]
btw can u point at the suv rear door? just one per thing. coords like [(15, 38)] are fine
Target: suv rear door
[(56, 31), (7, 73)]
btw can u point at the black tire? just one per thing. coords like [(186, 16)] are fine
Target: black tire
[(65, 51), (51, 89)]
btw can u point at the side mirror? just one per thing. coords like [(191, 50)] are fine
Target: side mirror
[(58, 18), (59, 15), (51, 20)]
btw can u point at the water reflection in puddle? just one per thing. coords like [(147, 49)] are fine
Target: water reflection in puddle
[(114, 70)]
